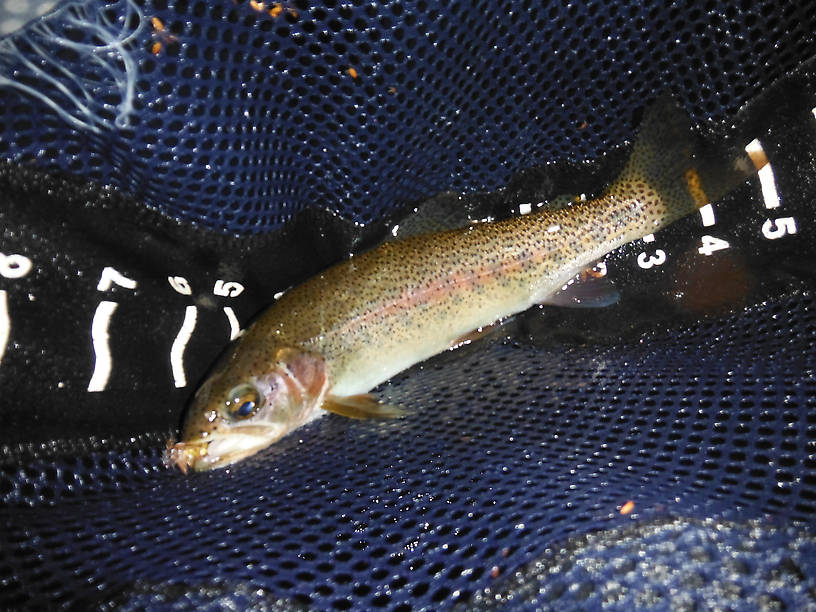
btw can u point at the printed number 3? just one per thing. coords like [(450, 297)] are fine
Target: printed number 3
[(647, 261)]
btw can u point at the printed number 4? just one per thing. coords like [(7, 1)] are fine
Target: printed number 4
[(647, 261), (711, 244)]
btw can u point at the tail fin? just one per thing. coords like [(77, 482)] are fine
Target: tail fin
[(686, 170)]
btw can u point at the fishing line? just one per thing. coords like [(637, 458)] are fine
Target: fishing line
[(78, 89)]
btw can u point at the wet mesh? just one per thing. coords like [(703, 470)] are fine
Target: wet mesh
[(237, 119), (675, 565), (657, 453)]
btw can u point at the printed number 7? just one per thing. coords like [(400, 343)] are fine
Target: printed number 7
[(111, 276)]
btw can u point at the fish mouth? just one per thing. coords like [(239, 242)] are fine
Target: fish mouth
[(218, 452), (183, 455)]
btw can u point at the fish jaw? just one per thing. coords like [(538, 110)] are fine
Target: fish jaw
[(182, 454), (237, 446), (221, 451)]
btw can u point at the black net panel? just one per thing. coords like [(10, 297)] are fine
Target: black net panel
[(169, 167)]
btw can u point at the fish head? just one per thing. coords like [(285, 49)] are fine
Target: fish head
[(239, 411)]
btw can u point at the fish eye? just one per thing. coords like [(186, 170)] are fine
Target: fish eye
[(243, 401)]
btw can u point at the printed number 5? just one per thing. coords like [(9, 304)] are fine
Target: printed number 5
[(776, 228), (229, 289), (647, 261)]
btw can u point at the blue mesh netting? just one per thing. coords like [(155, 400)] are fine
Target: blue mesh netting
[(512, 448), (240, 119), (243, 114)]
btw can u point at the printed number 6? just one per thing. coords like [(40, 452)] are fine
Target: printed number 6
[(647, 261), (14, 266), (776, 228), (180, 285)]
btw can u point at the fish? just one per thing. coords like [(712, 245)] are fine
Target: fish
[(325, 344)]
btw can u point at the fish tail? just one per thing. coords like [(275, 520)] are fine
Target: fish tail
[(672, 161)]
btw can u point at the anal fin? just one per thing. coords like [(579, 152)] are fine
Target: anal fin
[(363, 406), (476, 334), (589, 289)]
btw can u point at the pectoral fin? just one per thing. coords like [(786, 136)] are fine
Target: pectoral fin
[(364, 406)]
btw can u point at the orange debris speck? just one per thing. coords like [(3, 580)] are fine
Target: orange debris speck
[(627, 507), (352, 73), (277, 8), (258, 6), (757, 156), (494, 571), (392, 90), (160, 35)]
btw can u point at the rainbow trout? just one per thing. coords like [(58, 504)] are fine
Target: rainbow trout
[(326, 343)]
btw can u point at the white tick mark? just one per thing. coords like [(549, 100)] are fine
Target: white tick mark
[(5, 324), (766, 175), (235, 327), (100, 339), (180, 343), (707, 214)]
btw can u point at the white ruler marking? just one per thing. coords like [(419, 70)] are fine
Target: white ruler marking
[(766, 175), (769, 193), (235, 327), (5, 324), (100, 338), (707, 214), (180, 343)]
